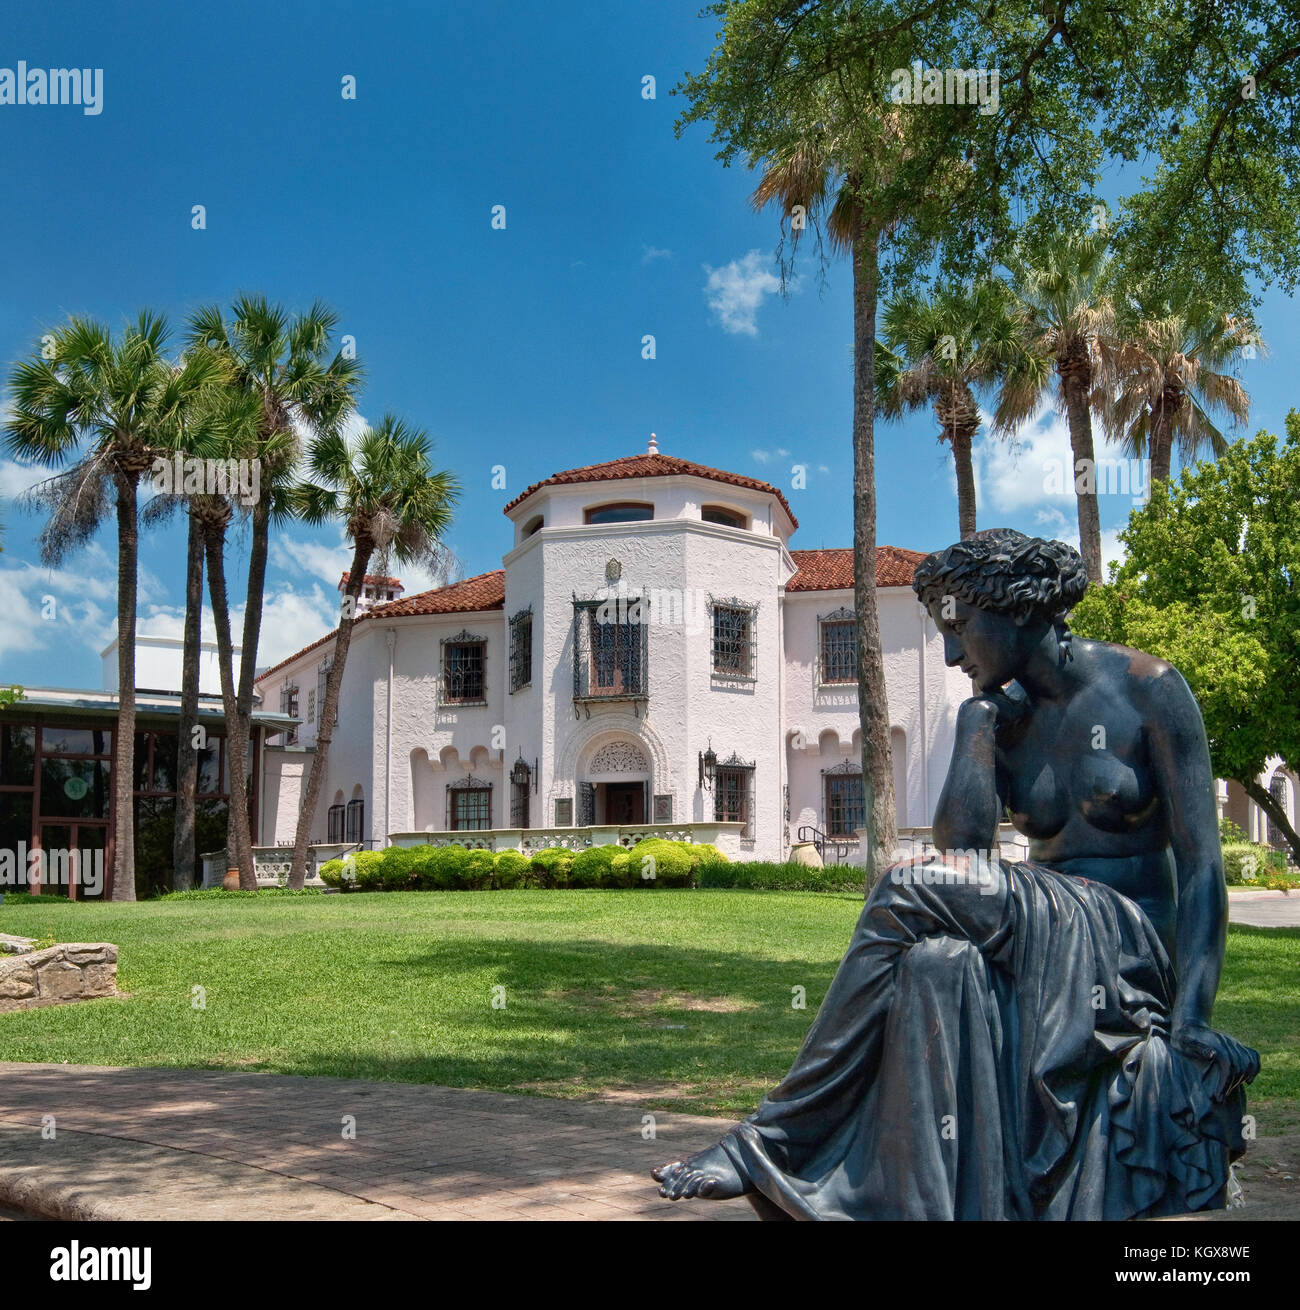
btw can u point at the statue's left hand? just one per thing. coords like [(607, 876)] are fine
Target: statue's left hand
[(1230, 1062)]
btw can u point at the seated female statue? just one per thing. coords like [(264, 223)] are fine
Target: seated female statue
[(1022, 1040)]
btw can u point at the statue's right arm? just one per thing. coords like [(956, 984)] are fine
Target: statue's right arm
[(969, 805)]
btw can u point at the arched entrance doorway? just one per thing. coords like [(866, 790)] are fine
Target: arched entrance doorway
[(614, 784)]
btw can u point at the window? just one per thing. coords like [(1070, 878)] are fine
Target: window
[(469, 804), (521, 783), (720, 514), (733, 794), (845, 800), (355, 821), (334, 823), (564, 811), (1278, 788), (289, 706), (533, 525), (609, 650), (463, 659), (521, 650), (733, 639), (311, 705), (622, 512), (17, 754), (838, 647)]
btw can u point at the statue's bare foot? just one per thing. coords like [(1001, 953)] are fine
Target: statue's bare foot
[(707, 1173)]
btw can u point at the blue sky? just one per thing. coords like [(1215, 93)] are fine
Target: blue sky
[(519, 347)]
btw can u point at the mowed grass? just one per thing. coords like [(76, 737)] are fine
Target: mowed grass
[(684, 996)]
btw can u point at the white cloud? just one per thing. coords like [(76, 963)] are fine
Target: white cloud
[(650, 253), (736, 290), (763, 456), (76, 606), (17, 479)]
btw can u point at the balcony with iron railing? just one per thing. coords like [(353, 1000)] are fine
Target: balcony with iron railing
[(610, 653)]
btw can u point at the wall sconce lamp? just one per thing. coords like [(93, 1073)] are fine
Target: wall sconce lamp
[(708, 767)]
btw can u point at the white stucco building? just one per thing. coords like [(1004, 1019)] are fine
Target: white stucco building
[(651, 653)]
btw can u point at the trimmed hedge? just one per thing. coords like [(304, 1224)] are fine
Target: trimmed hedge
[(1248, 864), (655, 862)]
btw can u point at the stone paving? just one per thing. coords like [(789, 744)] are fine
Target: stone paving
[(1265, 909), (164, 1143)]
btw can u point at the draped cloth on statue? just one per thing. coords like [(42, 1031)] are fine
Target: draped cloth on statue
[(994, 1051)]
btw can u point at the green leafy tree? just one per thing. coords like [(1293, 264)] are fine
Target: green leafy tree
[(297, 389), (393, 506), (1209, 584), (818, 94), (939, 350), (108, 407)]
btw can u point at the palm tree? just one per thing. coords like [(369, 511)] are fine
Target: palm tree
[(1164, 371), (393, 506), (1064, 309), (824, 179), (283, 365), (937, 350), (113, 407)]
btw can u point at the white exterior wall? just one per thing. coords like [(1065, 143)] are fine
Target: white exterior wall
[(787, 726)]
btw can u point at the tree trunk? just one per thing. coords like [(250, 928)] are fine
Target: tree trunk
[(326, 714), (961, 453), (1075, 371), (873, 708), (187, 753), (1161, 440), (239, 838), (241, 819), (128, 541), (1268, 803)]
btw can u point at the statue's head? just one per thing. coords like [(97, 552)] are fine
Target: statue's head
[(995, 595)]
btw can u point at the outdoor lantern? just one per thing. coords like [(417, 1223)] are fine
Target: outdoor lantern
[(708, 767), (521, 774)]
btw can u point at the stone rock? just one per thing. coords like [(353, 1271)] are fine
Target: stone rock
[(57, 978), (99, 979), (86, 952), (17, 984), (11, 945)]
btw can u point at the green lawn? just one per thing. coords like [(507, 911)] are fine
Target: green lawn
[(684, 993)]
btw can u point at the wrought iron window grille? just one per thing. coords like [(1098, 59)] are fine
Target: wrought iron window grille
[(734, 655), (355, 821), (464, 670), (844, 799), (837, 648), (610, 651), (521, 650), (469, 804), (733, 793)]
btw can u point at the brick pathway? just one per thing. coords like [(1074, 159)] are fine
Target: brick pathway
[(149, 1143)]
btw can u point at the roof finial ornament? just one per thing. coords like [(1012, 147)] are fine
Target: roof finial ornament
[(654, 445)]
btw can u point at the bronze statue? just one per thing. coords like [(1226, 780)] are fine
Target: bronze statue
[(1022, 1040)]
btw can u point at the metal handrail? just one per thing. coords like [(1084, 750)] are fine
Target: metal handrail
[(820, 841)]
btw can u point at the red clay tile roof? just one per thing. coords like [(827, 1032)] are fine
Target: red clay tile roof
[(832, 570), (486, 591), (652, 466), (373, 579)]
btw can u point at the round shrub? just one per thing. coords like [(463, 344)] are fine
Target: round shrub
[(331, 873), (510, 870), (362, 871), (553, 865), (475, 873), (709, 854), (591, 867), (402, 865), (660, 863), (1247, 862), (621, 871), (441, 871)]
